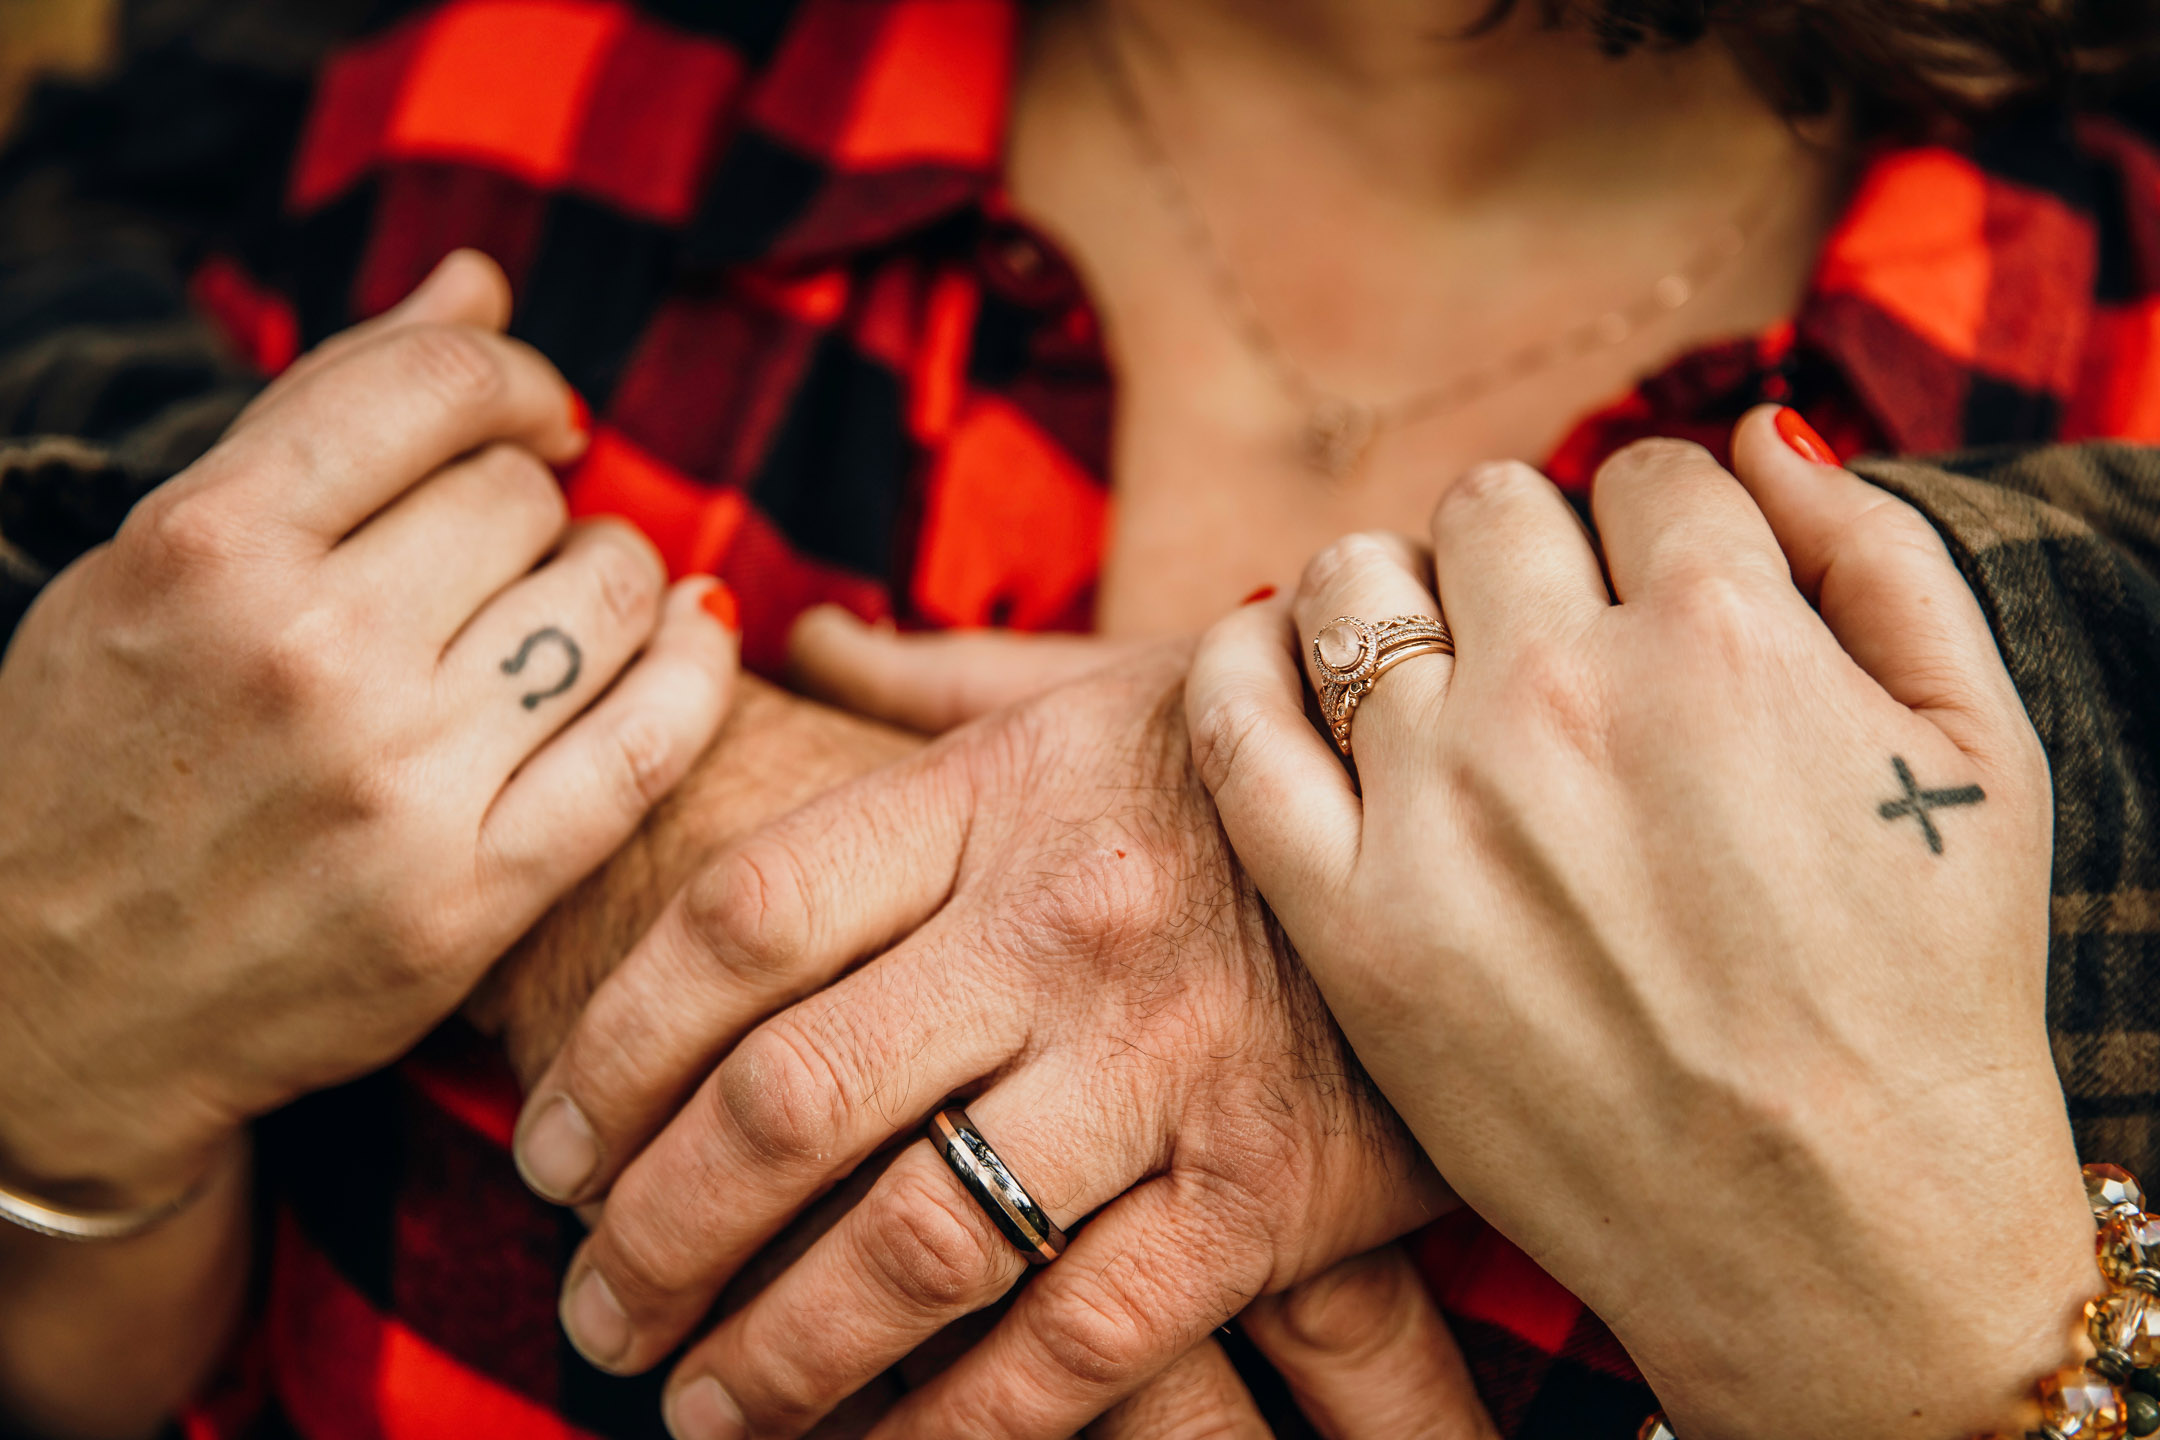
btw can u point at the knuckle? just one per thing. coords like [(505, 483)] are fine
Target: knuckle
[(304, 664), (1656, 455), (792, 1390), (649, 1259), (1343, 561), (1722, 613), (522, 484), (643, 763), (930, 1245), (1351, 1310), (626, 579), (1099, 906), (172, 537), (451, 362), (747, 912), (1890, 532), (782, 1094), (1496, 480), (1221, 729), (1103, 1329)]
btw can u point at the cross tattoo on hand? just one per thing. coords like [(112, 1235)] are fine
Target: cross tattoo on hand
[(1918, 802)]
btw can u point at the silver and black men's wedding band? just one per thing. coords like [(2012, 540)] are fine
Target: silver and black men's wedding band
[(1002, 1197)]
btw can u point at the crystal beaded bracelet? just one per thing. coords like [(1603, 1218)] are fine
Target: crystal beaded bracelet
[(2117, 1392)]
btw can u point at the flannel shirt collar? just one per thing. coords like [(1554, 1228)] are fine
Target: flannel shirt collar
[(873, 121), (1954, 296), (1956, 280)]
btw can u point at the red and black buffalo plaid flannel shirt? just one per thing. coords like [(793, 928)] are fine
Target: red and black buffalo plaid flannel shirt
[(767, 240)]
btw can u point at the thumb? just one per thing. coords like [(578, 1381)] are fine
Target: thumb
[(1878, 574), (933, 682), (464, 288)]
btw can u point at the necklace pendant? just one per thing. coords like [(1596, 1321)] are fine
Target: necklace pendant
[(1337, 435)]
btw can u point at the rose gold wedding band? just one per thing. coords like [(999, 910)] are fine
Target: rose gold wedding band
[(1002, 1197), (1351, 655)]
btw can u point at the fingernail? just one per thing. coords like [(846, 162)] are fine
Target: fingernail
[(1265, 592), (596, 1322), (580, 414), (719, 602), (702, 1410), (557, 1153), (1801, 436)]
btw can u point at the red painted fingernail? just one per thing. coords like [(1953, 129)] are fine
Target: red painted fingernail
[(1805, 443), (719, 602), (580, 414), (1265, 592)]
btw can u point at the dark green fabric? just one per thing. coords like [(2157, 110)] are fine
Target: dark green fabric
[(2062, 547)]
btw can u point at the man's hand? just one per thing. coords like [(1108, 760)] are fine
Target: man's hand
[(1361, 1344), (1062, 935), (774, 752)]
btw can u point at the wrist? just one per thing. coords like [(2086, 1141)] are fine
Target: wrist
[(106, 1223), (108, 1177), (1992, 1350), (62, 1145), (76, 1131)]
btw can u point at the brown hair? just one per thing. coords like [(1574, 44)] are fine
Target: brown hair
[(1901, 65)]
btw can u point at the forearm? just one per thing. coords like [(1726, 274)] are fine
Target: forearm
[(104, 1341)]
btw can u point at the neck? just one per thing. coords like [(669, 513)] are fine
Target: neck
[(1419, 94)]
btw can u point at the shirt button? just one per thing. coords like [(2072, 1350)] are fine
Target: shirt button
[(1023, 269), (1022, 257)]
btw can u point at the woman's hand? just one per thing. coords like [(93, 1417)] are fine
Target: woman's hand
[(1700, 937), (312, 740)]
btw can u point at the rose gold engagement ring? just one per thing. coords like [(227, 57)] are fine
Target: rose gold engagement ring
[(1352, 654)]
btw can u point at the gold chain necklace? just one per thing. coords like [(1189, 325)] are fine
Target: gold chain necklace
[(1337, 430)]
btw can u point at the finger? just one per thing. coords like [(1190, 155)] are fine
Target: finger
[(538, 654), (1146, 1281), (1878, 574), (1364, 1349), (1371, 578), (1511, 562), (933, 682), (1198, 1398), (465, 288), (918, 1254), (799, 1103), (1669, 515), (779, 916), (576, 801), (353, 434), (1285, 799), (447, 546)]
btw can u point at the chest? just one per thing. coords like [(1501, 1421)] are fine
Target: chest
[(1235, 320)]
